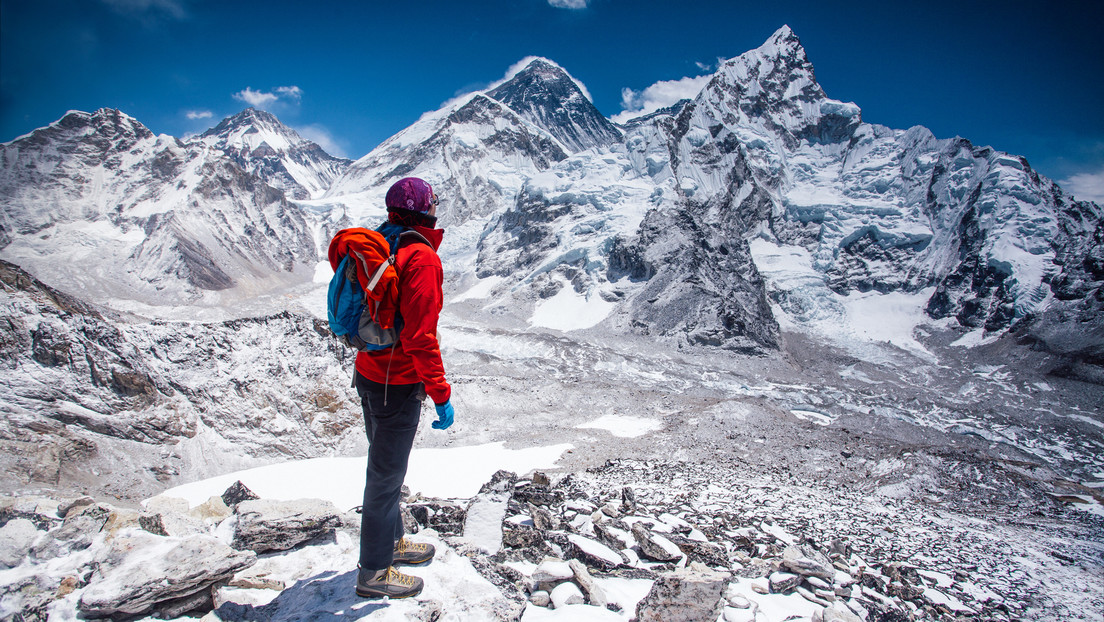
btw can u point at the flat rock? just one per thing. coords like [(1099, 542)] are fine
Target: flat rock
[(137, 571), (267, 525)]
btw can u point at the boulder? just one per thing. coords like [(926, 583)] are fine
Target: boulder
[(137, 572), (237, 493), (688, 595), (445, 517), (41, 511), (654, 546), (807, 562), (267, 525), (591, 552), (566, 593), (783, 582), (214, 508), (16, 539), (553, 570), (594, 593)]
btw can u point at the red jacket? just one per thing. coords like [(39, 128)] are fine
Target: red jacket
[(417, 357)]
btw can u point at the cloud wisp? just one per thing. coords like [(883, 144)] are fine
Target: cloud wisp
[(264, 99), (324, 138), (194, 115), (659, 95), (1085, 186), (569, 4), (145, 9)]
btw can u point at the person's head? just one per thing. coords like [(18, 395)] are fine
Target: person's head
[(412, 194)]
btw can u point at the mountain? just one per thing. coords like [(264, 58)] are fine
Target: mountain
[(257, 142), (763, 154), (658, 226), (96, 203), (546, 96)]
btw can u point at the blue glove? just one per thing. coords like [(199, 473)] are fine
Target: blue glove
[(444, 416)]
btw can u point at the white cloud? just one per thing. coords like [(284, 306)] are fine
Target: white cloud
[(199, 114), (1085, 186), (322, 137), (261, 99), (290, 92), (569, 4), (659, 95)]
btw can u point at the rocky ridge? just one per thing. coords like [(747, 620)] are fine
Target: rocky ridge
[(695, 542)]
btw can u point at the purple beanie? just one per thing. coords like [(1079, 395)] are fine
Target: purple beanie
[(410, 193)]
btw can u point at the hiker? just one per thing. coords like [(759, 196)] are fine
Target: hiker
[(392, 384)]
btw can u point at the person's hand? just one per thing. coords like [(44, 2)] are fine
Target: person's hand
[(445, 413)]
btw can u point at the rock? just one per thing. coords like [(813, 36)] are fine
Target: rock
[(705, 552), (835, 613), (783, 582), (215, 509), (131, 519), (654, 546), (809, 596), (445, 517), (540, 598), (41, 511), (595, 595), (266, 525), (167, 505), (686, 595), (542, 518), (553, 570), (237, 493), (16, 539), (808, 562), (63, 509), (521, 536), (501, 481), (541, 479), (591, 552), (138, 571), (628, 500), (566, 593)]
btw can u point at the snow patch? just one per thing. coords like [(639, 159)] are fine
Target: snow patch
[(455, 473), (624, 426)]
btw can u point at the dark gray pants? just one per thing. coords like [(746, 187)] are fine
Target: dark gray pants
[(391, 428)]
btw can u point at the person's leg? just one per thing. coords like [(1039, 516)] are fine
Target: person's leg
[(391, 429)]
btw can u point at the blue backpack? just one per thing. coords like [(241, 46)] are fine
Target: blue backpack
[(362, 303)]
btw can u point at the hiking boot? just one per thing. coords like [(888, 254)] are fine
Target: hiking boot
[(409, 553), (387, 582)]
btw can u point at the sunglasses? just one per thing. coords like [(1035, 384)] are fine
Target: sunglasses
[(435, 201)]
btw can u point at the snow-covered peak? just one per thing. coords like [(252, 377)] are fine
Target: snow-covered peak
[(250, 129), (258, 142), (544, 94)]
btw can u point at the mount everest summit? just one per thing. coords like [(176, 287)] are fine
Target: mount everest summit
[(759, 205)]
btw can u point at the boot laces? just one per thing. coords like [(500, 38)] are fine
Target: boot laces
[(405, 545), (396, 577)]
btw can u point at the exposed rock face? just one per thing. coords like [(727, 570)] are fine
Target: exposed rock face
[(165, 218), (86, 391), (258, 143)]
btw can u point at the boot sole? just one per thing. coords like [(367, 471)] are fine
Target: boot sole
[(396, 563), (379, 595)]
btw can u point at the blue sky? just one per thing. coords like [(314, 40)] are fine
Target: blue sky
[(1024, 77)]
